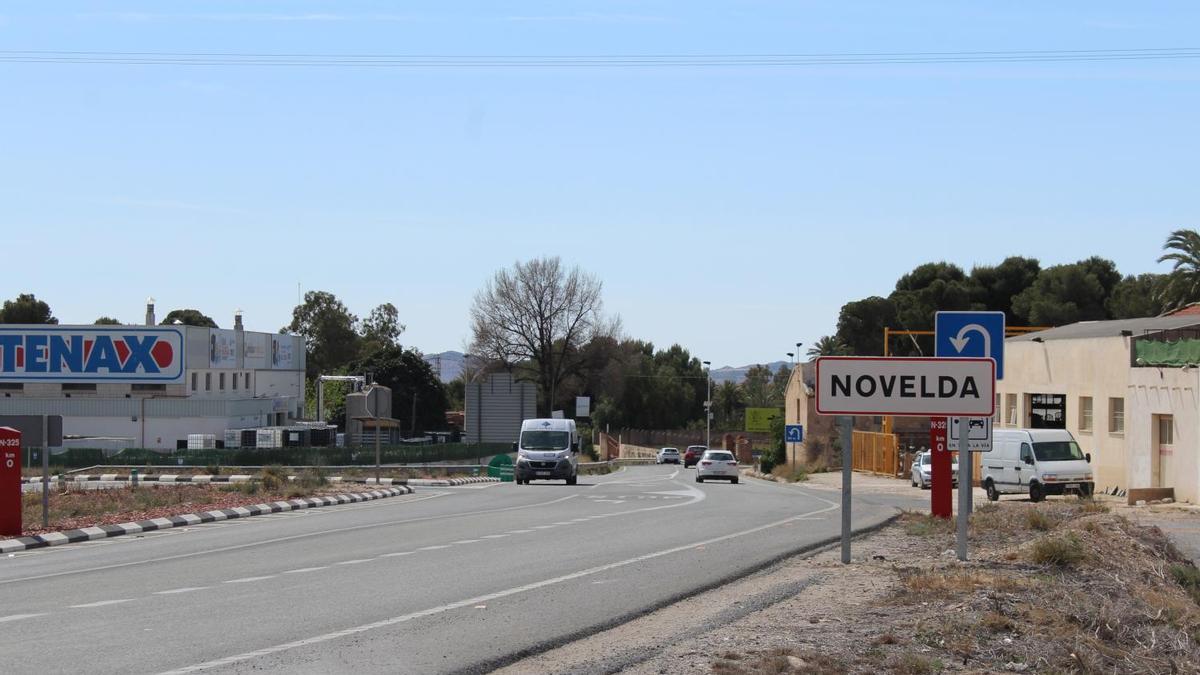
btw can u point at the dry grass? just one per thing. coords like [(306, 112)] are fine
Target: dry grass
[(923, 584), (924, 525), (1064, 551), (777, 661), (909, 663)]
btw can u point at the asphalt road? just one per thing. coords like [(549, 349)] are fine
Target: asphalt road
[(444, 580)]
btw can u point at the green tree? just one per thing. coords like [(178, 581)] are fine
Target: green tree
[(1065, 294), (996, 286), (382, 327), (928, 289), (1182, 286), (188, 317), (828, 345), (1136, 297), (418, 398), (861, 323), (26, 308), (729, 406), (330, 332), (106, 321)]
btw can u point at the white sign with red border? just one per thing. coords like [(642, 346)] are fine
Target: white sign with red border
[(912, 387)]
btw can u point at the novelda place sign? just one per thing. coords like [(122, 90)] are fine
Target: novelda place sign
[(917, 387), (91, 354)]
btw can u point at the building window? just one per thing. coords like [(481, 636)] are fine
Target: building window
[(1166, 430), (208, 382), (1047, 411), (12, 386), (247, 380), (234, 380), (1010, 409), (195, 377), (1085, 414), (1116, 415), (79, 386), (996, 421), (149, 387), (221, 382)]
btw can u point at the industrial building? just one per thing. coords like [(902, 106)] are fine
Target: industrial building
[(151, 386)]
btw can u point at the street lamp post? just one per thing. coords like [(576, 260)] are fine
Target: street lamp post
[(707, 406)]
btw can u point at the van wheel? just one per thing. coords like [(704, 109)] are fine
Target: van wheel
[(992, 493), (735, 481), (572, 480), (699, 479), (1036, 492)]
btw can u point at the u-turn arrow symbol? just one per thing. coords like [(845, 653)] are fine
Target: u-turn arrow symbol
[(960, 342)]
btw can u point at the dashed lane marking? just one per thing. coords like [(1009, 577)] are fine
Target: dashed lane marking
[(247, 580), (19, 617), (102, 603), (175, 591)]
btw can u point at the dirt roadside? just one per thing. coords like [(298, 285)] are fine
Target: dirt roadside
[(1064, 586)]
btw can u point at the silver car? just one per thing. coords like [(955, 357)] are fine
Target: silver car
[(717, 464), (922, 470)]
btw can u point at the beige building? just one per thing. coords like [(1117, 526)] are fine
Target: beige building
[(1124, 389)]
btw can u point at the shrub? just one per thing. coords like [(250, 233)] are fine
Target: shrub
[(766, 464), (312, 478), (213, 469), (1188, 577), (1061, 551), (273, 477), (1036, 519)]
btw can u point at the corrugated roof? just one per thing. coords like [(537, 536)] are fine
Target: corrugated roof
[(1099, 329), (1191, 310)]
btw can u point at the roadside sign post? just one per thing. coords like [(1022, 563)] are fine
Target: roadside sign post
[(793, 434), (964, 485), (10, 482), (45, 476), (941, 491), (847, 424), (913, 387)]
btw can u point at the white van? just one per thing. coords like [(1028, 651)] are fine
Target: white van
[(1036, 462), (547, 450)]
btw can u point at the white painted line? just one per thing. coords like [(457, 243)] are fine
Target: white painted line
[(433, 548), (18, 617), (354, 562), (246, 580), (397, 554), (188, 589), (563, 522), (484, 599), (519, 531), (302, 570), (102, 603), (544, 527), (493, 536), (465, 541)]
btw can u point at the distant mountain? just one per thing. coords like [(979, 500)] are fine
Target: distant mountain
[(736, 375), (447, 365)]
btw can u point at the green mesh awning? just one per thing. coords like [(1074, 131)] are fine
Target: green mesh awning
[(1178, 353)]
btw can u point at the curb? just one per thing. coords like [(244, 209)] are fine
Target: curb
[(105, 531), (450, 482)]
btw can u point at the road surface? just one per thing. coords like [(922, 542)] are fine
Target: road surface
[(443, 580)]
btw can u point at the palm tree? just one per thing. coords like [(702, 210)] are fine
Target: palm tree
[(1182, 286), (828, 345)]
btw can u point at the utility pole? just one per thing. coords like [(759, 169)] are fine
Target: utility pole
[(707, 406)]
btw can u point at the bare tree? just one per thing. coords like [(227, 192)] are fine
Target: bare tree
[(538, 315)]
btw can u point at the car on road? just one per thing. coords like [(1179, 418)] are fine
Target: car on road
[(717, 464), (693, 454), (548, 449), (921, 471), (668, 456)]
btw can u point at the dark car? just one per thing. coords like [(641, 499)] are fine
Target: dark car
[(693, 455)]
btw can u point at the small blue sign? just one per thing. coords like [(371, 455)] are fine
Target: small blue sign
[(970, 334), (793, 433)]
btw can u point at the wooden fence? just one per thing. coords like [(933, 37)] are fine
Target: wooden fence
[(877, 453)]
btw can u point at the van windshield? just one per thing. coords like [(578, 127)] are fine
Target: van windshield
[(545, 440), (1057, 451)]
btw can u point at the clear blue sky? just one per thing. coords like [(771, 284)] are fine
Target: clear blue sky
[(732, 210)]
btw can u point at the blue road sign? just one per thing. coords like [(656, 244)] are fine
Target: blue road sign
[(793, 433), (970, 334)]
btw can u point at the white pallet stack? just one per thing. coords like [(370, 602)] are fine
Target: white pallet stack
[(202, 442)]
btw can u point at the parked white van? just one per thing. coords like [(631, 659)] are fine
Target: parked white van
[(1036, 462), (547, 450)]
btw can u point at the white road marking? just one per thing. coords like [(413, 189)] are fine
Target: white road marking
[(18, 617), (397, 554), (464, 541), (544, 527), (519, 531), (102, 603), (484, 599), (563, 522), (493, 536), (247, 580), (433, 548), (354, 562), (302, 570), (187, 589), (236, 547)]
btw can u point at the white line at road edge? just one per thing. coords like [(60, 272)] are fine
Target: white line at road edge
[(18, 617), (482, 599)]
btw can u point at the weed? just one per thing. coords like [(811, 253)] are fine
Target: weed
[(924, 525), (213, 469), (909, 663), (1089, 506), (1187, 576), (273, 477), (1063, 551), (996, 622), (887, 639), (1037, 519), (312, 478)]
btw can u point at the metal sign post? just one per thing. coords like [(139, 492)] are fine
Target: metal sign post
[(10, 482), (964, 485), (941, 490), (45, 476), (847, 424)]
